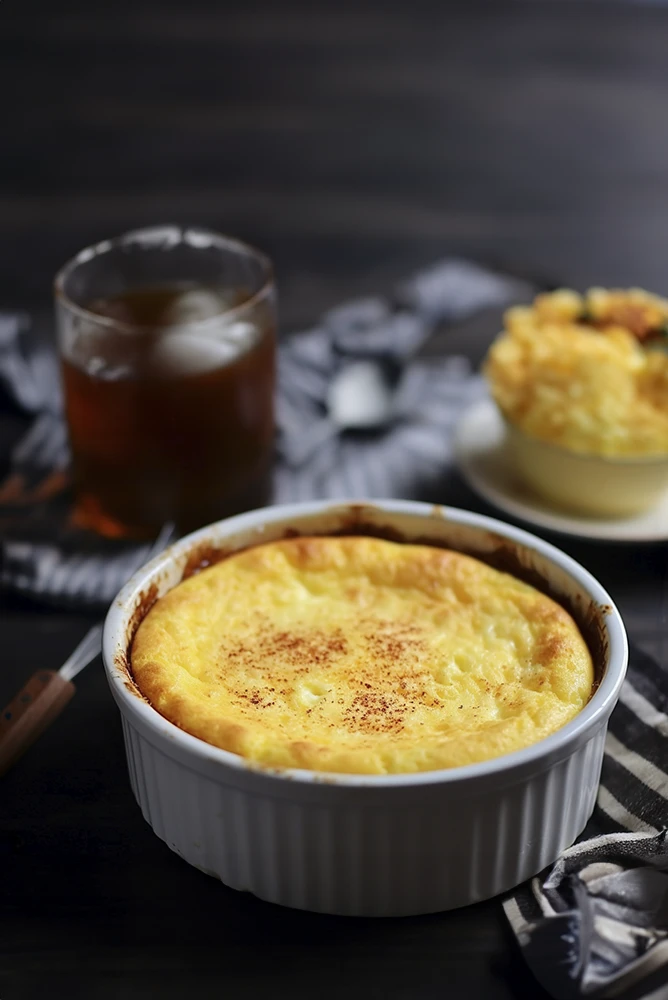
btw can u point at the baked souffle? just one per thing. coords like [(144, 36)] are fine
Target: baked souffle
[(359, 655), (588, 373)]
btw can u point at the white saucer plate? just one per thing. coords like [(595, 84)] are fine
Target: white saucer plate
[(483, 462)]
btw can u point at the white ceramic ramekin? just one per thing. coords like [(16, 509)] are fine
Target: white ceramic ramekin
[(589, 484), (368, 844)]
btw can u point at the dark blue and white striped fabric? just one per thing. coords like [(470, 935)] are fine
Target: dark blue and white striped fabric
[(413, 449), (42, 557), (596, 924), (404, 460)]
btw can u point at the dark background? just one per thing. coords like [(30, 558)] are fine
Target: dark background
[(354, 142), (351, 140)]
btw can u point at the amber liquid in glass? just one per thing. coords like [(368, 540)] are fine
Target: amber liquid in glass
[(168, 422)]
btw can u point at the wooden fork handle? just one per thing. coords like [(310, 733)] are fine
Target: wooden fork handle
[(32, 710)]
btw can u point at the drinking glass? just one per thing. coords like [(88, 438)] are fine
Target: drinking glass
[(167, 341)]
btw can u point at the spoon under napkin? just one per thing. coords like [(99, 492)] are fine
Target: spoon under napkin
[(360, 397)]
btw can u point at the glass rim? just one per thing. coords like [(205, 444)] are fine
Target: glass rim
[(176, 234)]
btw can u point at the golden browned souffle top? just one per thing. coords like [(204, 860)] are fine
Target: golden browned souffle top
[(361, 655)]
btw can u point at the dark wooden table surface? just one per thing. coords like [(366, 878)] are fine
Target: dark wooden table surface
[(353, 142)]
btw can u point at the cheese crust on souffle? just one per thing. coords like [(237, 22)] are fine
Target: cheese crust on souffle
[(354, 654)]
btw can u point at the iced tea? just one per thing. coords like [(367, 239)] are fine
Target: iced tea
[(167, 341), (170, 425)]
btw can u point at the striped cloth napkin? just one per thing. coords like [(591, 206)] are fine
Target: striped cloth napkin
[(406, 456), (596, 924)]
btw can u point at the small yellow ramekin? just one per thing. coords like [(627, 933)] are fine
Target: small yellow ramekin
[(589, 484)]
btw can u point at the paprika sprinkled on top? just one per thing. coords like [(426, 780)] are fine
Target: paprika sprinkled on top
[(361, 655)]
